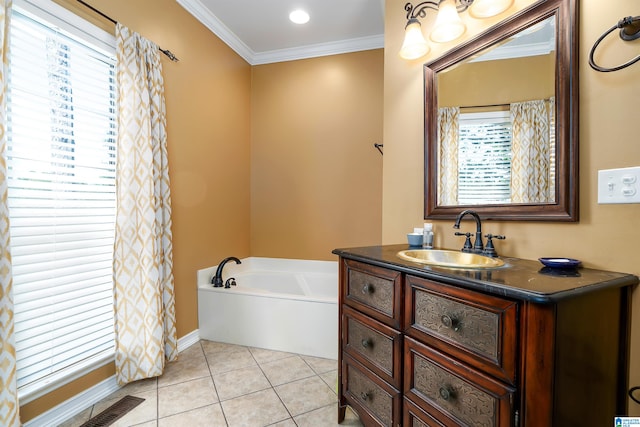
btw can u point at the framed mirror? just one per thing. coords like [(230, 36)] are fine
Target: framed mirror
[(501, 120)]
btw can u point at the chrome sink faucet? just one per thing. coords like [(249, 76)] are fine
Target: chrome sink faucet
[(478, 246)]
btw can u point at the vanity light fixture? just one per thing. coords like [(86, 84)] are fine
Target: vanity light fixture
[(448, 25)]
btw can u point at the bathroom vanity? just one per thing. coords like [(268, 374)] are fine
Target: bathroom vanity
[(520, 345)]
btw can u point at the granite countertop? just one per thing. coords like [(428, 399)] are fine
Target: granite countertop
[(519, 278)]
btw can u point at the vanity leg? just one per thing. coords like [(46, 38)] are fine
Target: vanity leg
[(342, 409)]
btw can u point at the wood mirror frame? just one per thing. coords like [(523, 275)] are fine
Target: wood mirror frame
[(565, 206)]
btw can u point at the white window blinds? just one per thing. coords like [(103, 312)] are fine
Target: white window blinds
[(61, 161), (484, 158)]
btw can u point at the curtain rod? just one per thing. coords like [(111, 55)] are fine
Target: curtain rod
[(479, 106), (167, 52)]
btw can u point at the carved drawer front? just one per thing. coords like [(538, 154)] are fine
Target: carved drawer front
[(373, 344), (414, 416), (477, 328), (452, 392), (375, 401), (375, 291)]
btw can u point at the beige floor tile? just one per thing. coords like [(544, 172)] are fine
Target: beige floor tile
[(240, 381), (190, 365), (327, 416), (257, 409), (144, 412), (212, 347), (209, 416), (320, 365), (225, 362), (306, 395), (286, 423), (331, 379), (135, 388), (186, 396), (286, 370), (263, 355), (244, 381)]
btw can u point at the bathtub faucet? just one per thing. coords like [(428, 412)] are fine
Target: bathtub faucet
[(217, 279)]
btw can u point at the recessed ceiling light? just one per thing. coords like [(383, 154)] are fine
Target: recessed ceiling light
[(299, 16)]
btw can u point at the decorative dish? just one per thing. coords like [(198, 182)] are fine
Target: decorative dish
[(560, 262)]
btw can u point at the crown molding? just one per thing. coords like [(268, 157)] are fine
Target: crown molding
[(320, 49), (217, 27), (209, 20), (516, 51)]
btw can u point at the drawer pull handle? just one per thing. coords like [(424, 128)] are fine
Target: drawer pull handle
[(368, 289), (365, 395), (447, 393), (367, 343), (450, 322)]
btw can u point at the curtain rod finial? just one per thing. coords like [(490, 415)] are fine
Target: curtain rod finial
[(169, 54)]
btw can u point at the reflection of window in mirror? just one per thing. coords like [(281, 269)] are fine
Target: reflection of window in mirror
[(505, 154), (484, 157)]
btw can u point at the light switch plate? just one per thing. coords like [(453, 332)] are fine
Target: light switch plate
[(619, 185)]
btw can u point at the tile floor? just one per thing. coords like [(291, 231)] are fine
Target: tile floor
[(214, 384)]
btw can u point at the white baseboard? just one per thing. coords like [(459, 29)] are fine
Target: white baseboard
[(188, 340), (93, 395)]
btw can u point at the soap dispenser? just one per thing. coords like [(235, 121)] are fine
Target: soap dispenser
[(427, 239)]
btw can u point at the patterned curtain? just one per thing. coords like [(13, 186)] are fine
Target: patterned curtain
[(8, 388), (448, 131), (144, 289), (531, 147)]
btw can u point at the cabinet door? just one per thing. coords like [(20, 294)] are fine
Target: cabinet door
[(477, 328), (453, 393)]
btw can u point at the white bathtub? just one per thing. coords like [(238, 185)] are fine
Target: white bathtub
[(279, 304)]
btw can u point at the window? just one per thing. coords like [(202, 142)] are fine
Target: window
[(61, 175), (484, 158)]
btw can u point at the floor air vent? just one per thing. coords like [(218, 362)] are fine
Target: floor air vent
[(114, 412)]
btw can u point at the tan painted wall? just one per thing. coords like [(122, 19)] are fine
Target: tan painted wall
[(607, 235), (208, 123), (497, 82), (316, 179)]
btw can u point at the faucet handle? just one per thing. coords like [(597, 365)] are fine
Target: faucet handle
[(489, 250), (467, 243)]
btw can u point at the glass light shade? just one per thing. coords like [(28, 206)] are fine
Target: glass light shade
[(488, 8), (299, 16), (448, 24), (414, 45)]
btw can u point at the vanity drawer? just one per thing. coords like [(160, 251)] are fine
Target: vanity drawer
[(414, 416), (479, 329), (373, 290), (452, 392), (373, 344), (375, 401)]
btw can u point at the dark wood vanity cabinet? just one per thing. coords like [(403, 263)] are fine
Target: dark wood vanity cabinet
[(370, 354), (419, 350)]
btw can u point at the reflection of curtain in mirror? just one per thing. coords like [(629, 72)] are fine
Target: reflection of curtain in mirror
[(448, 131), (531, 180)]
